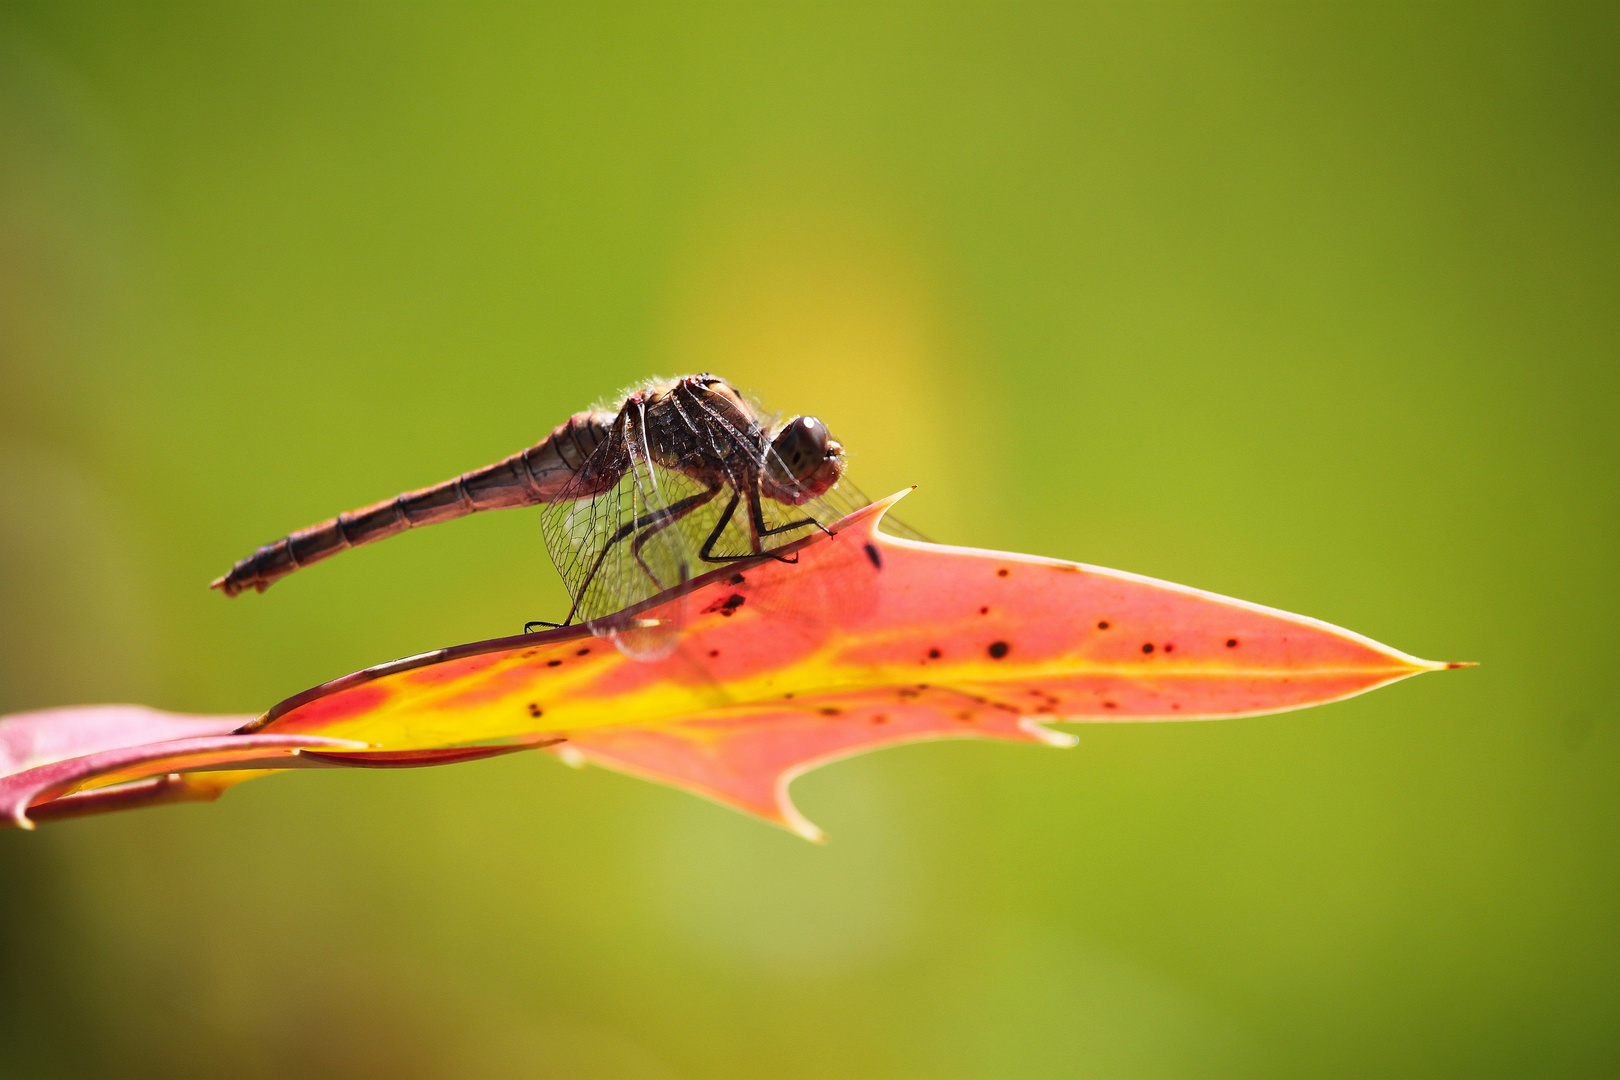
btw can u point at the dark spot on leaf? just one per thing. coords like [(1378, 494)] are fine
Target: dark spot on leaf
[(1169, 648), (829, 711), (1231, 643), (1147, 647), (583, 652), (933, 654), (965, 717), (998, 649), (734, 579), (922, 686), (1103, 625), (787, 696), (1175, 705), (713, 653), (984, 611), (880, 719), (728, 606), (1003, 572), (534, 710), (1110, 705), (553, 663), (872, 554)]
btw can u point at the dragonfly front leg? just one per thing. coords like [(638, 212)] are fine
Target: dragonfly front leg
[(757, 520), (757, 513)]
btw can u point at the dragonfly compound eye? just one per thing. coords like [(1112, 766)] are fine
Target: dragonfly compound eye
[(806, 461), (802, 446)]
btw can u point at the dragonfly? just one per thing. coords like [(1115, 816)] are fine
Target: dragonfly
[(686, 475)]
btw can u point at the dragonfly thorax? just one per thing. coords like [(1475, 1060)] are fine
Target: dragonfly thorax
[(721, 435)]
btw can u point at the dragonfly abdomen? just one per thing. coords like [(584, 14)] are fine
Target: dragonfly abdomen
[(536, 475)]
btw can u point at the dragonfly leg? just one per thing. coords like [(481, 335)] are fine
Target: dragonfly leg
[(757, 516), (671, 516), (529, 626), (756, 520), (706, 553), (662, 517)]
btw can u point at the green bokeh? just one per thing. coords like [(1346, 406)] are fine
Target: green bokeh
[(1313, 306)]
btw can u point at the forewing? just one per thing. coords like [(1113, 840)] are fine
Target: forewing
[(618, 536), (757, 524), (598, 530), (589, 512), (837, 503), (627, 528)]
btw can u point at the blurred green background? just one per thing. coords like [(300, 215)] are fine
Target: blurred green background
[(1316, 306)]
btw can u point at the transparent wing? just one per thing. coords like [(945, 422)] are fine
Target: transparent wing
[(600, 530), (628, 528), (845, 498), (759, 524)]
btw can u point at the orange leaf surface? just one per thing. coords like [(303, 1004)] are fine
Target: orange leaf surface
[(866, 641)]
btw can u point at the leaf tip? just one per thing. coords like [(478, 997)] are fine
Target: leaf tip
[(872, 512), (1462, 663), (1418, 664)]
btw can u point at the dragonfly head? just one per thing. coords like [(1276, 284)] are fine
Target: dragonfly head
[(805, 462)]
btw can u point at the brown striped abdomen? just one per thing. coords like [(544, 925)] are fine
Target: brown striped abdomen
[(536, 475)]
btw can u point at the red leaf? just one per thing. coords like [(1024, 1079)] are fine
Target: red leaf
[(45, 755), (865, 641), (868, 640)]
